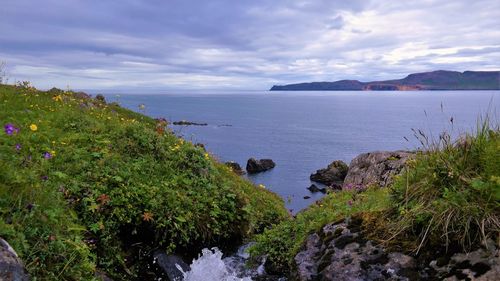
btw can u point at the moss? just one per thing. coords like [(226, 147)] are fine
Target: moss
[(116, 183)]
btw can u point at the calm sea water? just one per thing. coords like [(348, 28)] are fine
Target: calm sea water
[(305, 131)]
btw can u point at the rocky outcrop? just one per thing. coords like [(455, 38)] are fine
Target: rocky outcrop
[(257, 166), (333, 175), (375, 168), (11, 267), (235, 167), (339, 251)]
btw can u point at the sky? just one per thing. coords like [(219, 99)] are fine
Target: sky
[(240, 44)]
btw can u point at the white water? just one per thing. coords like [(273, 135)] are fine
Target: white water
[(211, 267)]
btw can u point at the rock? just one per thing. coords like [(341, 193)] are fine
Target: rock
[(339, 252), (482, 264), (314, 188), (257, 166), (307, 197), (11, 267), (235, 167), (375, 168), (169, 263), (188, 123), (332, 175)]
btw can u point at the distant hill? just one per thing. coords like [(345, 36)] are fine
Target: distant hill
[(435, 80)]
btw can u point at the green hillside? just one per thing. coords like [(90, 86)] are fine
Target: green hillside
[(85, 186)]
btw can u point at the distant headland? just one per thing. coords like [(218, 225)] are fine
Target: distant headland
[(435, 80)]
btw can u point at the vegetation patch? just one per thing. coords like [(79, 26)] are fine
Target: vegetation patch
[(85, 184), (448, 194)]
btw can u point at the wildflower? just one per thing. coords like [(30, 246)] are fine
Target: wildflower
[(53, 152), (262, 186), (103, 199), (147, 216), (44, 178), (11, 129), (206, 156), (18, 147), (47, 155), (349, 203), (57, 98), (33, 127)]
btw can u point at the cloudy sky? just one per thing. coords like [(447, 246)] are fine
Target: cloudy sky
[(239, 44)]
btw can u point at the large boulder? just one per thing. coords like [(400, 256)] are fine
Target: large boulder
[(257, 166), (333, 175), (375, 168), (11, 267)]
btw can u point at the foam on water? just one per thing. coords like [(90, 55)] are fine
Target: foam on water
[(211, 267)]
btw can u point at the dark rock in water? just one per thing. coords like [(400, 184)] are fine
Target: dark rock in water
[(307, 197), (257, 166), (333, 175), (235, 167), (11, 267), (168, 264), (375, 168), (188, 123), (314, 188)]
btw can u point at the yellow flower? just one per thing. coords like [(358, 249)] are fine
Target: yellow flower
[(262, 186), (57, 98), (53, 152), (33, 127)]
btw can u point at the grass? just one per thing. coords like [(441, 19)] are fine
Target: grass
[(86, 185), (448, 194)]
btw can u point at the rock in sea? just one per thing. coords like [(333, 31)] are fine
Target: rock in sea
[(257, 166)]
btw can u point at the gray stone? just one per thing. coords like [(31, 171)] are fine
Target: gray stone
[(375, 168), (11, 267), (169, 264)]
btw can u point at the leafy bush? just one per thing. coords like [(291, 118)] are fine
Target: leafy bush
[(86, 185)]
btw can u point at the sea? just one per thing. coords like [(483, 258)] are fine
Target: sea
[(305, 131)]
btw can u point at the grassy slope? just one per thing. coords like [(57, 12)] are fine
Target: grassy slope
[(114, 177), (448, 195)]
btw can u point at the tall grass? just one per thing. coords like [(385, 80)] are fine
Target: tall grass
[(450, 192)]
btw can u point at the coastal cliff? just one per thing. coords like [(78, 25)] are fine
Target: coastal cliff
[(435, 80)]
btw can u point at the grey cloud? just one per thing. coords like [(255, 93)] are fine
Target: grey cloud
[(241, 43)]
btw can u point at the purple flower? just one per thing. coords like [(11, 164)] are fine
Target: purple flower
[(349, 203), (18, 147), (47, 155), (11, 129)]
